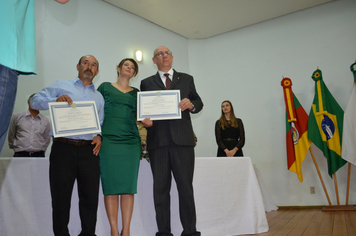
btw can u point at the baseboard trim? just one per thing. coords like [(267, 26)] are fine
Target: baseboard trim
[(301, 207)]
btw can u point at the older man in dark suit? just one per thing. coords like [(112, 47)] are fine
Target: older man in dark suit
[(170, 144)]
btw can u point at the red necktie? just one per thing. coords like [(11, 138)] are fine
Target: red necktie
[(168, 81)]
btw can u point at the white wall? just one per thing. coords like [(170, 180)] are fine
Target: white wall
[(67, 32), (245, 66)]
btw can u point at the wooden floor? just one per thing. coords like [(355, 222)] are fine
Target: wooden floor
[(310, 222)]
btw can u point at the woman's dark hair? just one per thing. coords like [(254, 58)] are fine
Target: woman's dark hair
[(223, 122), (129, 59)]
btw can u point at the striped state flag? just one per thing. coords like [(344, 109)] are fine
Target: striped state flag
[(326, 123), (349, 132), (297, 130)]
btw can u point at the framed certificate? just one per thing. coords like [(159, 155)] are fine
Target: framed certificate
[(158, 105), (76, 119)]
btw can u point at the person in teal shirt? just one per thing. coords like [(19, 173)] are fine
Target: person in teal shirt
[(18, 53)]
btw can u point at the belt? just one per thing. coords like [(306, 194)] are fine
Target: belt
[(30, 154), (229, 139), (75, 142)]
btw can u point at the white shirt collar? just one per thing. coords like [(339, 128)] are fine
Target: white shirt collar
[(163, 78)]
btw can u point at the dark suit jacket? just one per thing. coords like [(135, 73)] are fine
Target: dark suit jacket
[(180, 130)]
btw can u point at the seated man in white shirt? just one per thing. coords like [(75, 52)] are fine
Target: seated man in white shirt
[(29, 133)]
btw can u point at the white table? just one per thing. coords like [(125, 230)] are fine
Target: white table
[(227, 196)]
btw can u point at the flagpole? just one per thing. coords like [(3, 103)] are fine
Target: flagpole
[(346, 153), (320, 177), (348, 185), (336, 189), (338, 207)]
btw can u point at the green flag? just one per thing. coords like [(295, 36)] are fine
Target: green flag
[(325, 124)]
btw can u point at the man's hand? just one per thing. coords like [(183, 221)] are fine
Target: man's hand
[(97, 142), (147, 122), (186, 104), (65, 98)]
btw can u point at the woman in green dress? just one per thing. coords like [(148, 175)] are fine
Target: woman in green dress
[(121, 147)]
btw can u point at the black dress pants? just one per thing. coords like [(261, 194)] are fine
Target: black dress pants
[(179, 162), (67, 164)]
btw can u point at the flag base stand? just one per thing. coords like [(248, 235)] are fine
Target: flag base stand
[(339, 208)]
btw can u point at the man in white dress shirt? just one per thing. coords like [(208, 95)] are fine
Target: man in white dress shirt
[(29, 133)]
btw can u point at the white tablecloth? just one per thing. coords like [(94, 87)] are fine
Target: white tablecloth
[(227, 196), (267, 198)]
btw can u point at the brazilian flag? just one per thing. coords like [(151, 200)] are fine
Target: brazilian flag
[(325, 124)]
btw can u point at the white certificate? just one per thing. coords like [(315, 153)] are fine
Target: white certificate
[(158, 105), (76, 119)]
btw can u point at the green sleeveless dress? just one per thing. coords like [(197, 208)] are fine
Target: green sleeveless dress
[(121, 146)]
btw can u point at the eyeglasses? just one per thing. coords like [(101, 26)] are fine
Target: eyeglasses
[(161, 54)]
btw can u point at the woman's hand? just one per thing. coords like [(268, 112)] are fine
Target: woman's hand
[(97, 142), (232, 152)]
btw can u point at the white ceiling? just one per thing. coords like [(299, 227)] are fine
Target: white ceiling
[(197, 19)]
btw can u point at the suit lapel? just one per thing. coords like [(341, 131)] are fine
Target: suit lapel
[(157, 79), (175, 79)]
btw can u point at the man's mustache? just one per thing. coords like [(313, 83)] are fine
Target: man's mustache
[(88, 71)]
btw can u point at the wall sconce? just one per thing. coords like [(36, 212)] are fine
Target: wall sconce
[(138, 55)]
